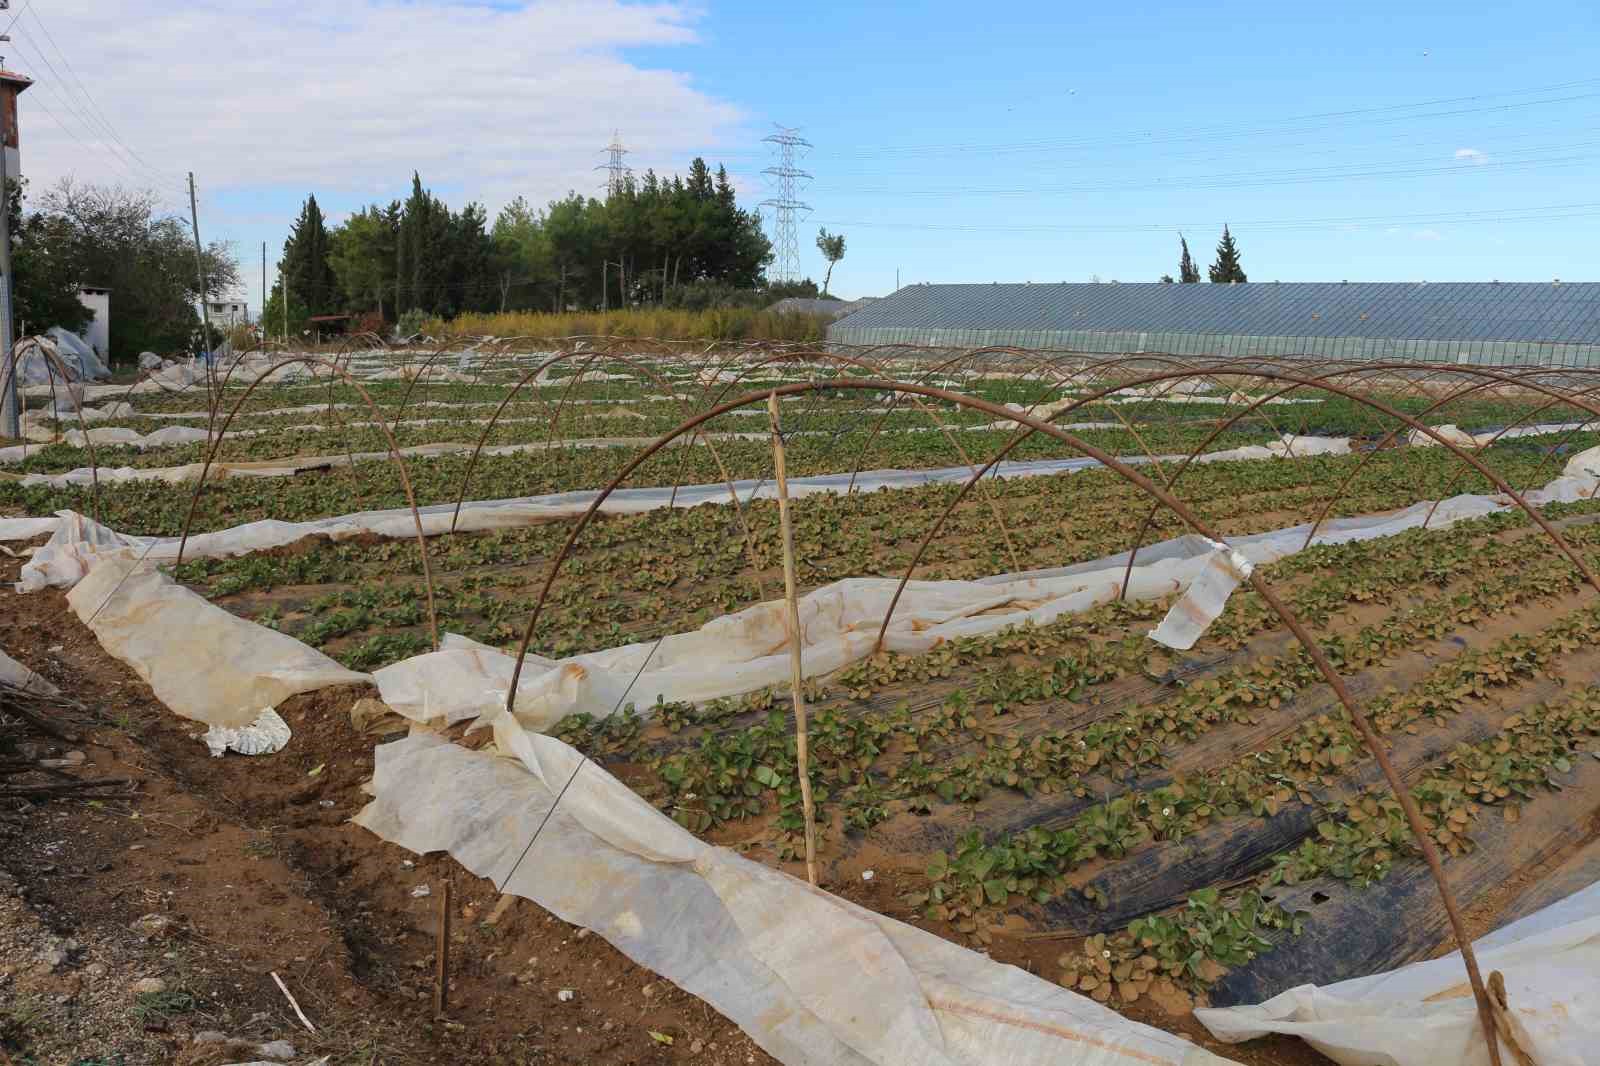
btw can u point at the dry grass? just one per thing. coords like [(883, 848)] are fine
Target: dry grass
[(723, 324)]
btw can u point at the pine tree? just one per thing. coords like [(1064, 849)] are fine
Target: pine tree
[(1227, 269), (1187, 271), (305, 262)]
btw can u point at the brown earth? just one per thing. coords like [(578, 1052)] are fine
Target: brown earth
[(251, 867)]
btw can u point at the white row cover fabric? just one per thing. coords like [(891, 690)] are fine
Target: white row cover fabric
[(1424, 1014), (748, 650), (63, 560), (202, 662), (813, 979)]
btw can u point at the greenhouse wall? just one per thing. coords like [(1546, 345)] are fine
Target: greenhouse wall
[(1479, 352)]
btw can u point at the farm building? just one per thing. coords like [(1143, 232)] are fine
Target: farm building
[(1473, 322)]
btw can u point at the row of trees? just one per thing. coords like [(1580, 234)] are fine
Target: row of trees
[(651, 240), (1224, 270), (88, 235)]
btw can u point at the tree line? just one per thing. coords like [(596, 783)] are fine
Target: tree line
[(83, 235), (673, 241), (1224, 270)]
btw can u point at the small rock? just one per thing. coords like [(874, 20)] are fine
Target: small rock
[(582, 933), (277, 1050), (211, 1036), (696, 1047), (325, 803), (155, 926), (867, 875), (565, 995), (419, 891), (649, 990), (96, 969), (54, 958), (149, 986), (74, 756)]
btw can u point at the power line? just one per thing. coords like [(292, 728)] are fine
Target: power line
[(1318, 121), (1546, 213), (1251, 179), (94, 106), (67, 102)]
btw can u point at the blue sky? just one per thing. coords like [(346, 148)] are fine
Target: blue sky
[(953, 142)]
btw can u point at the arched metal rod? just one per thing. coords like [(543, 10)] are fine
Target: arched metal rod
[(1467, 457), (1490, 379), (1550, 457), (838, 360), (411, 383), (1369, 735), (531, 375), (1326, 384), (1222, 426), (55, 365), (394, 452)]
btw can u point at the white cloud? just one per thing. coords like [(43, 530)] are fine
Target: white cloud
[(1476, 156), (488, 99)]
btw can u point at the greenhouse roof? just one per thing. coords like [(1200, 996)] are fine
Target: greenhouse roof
[(1546, 312)]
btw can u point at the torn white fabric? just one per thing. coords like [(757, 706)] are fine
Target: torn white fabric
[(267, 735), (201, 661), (1207, 594), (1424, 1013), (812, 978)]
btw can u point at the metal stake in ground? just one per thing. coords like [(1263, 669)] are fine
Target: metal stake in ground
[(792, 618), (441, 955)]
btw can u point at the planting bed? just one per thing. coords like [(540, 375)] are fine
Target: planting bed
[(1153, 828)]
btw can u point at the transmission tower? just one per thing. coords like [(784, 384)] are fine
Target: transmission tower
[(619, 173), (787, 180)]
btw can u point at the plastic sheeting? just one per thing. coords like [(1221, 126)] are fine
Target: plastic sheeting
[(1424, 1014), (748, 650), (201, 661), (64, 559), (812, 978)]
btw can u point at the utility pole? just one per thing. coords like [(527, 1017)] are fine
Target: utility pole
[(788, 143), (200, 269), (10, 404), (263, 315)]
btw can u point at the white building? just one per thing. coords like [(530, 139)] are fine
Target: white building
[(97, 332), (226, 314)]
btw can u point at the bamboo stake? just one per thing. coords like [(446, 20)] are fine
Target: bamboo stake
[(441, 955), (792, 620)]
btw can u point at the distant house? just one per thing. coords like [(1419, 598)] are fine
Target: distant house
[(98, 332), (799, 305), (226, 313)]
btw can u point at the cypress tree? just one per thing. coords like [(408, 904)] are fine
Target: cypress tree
[(1187, 271), (1227, 269), (305, 262)]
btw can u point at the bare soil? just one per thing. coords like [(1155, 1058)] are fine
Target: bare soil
[(250, 867)]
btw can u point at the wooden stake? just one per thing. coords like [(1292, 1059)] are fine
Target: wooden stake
[(441, 955), (792, 618)]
